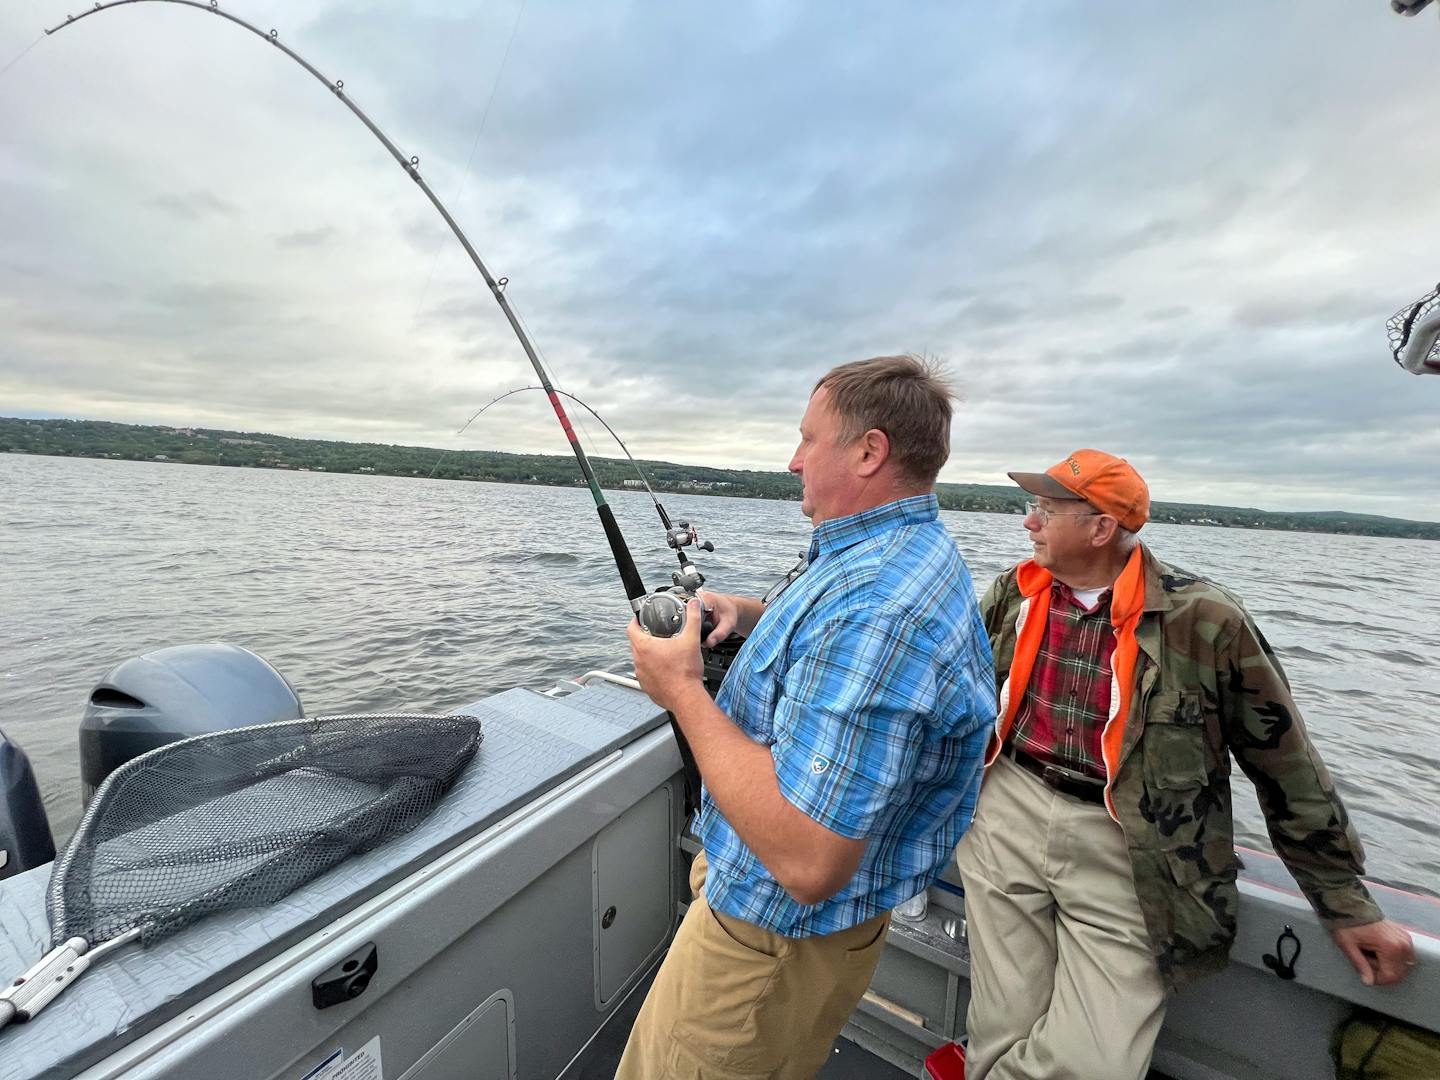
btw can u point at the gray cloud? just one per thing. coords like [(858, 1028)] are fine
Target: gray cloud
[(193, 205), (307, 238), (1172, 234)]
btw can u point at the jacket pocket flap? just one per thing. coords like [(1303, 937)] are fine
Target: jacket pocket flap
[(1202, 862)]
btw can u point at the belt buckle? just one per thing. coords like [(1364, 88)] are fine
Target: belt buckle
[(1068, 783), (1054, 777)]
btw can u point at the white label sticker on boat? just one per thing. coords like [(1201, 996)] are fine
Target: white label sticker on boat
[(364, 1064), (326, 1067)]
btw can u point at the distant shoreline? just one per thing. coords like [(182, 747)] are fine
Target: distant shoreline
[(208, 446)]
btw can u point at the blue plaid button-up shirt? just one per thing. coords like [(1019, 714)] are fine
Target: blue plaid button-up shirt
[(870, 679)]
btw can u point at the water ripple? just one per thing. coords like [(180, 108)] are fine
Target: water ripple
[(374, 593)]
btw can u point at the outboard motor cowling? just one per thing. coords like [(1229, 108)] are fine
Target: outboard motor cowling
[(176, 693), (25, 840)]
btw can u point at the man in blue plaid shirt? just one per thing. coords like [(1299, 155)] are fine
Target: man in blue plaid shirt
[(842, 757)]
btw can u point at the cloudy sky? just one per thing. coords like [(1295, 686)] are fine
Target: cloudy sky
[(1170, 230)]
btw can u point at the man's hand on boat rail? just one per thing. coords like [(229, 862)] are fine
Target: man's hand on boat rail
[(670, 668), (1381, 952)]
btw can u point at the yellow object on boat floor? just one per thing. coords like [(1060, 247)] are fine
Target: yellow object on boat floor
[(1370, 1046)]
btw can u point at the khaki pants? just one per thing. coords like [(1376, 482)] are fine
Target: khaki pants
[(733, 1001), (1062, 980)]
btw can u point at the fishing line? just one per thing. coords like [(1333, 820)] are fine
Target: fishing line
[(580, 420), (585, 432), (17, 59), (465, 173), (563, 393)]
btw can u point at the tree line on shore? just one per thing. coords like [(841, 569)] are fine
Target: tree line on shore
[(208, 446)]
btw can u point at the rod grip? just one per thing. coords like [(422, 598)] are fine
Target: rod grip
[(629, 576)]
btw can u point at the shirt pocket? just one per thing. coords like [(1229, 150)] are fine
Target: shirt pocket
[(1175, 742), (762, 682)]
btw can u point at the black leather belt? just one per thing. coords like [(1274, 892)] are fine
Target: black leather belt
[(1085, 788)]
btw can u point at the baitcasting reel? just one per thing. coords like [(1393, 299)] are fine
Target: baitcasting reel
[(679, 536), (662, 613), (682, 534)]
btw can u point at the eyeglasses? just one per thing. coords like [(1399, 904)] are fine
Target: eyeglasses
[(1045, 515)]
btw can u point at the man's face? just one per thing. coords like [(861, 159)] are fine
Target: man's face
[(824, 466), (1061, 533)]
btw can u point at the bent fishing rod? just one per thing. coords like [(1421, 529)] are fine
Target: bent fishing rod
[(678, 534), (661, 613)]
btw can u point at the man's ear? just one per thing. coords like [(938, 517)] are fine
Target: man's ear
[(1105, 529), (874, 448)]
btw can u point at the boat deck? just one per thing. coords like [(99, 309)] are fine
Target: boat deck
[(598, 1062)]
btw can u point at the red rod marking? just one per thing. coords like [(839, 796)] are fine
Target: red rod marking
[(560, 412)]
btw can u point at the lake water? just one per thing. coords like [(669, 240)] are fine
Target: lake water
[(374, 593)]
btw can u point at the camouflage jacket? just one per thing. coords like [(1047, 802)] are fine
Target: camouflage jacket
[(1209, 687)]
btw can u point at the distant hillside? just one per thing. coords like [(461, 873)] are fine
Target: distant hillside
[(207, 446)]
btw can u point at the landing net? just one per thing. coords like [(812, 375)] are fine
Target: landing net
[(240, 818), (1403, 321)]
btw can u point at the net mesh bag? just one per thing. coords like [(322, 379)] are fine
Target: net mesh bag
[(240, 818), (1400, 324)]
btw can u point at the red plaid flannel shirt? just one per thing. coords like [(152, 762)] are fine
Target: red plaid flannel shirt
[(1068, 697)]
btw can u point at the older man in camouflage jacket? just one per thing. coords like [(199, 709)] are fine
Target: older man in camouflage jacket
[(1100, 870)]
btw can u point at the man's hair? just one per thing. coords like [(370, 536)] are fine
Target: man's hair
[(904, 397)]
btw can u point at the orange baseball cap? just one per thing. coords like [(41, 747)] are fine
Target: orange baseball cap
[(1108, 483)]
